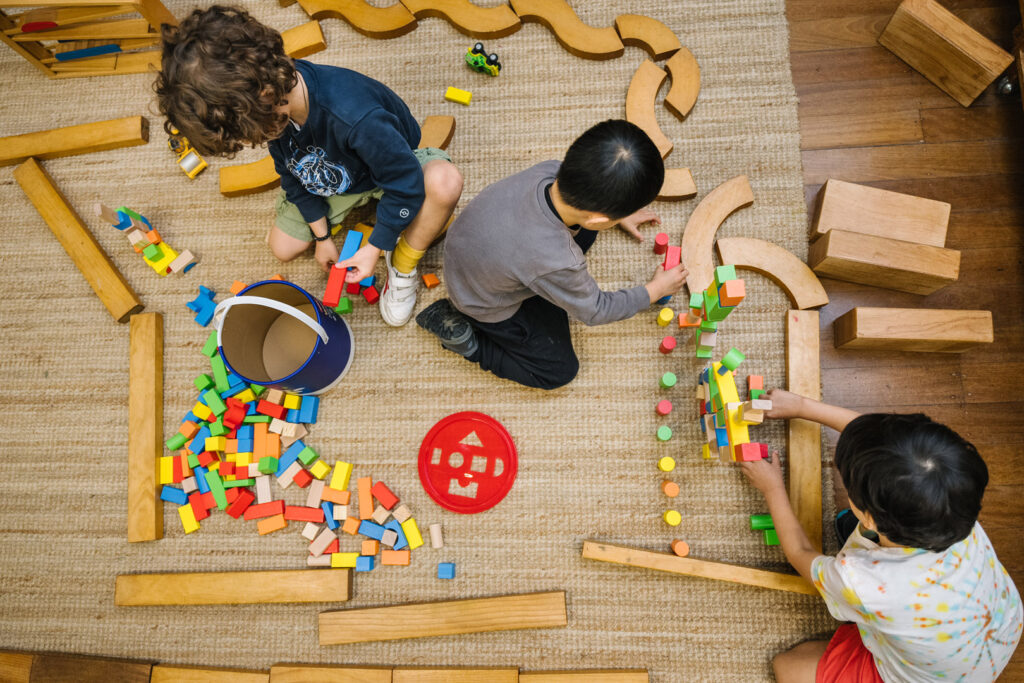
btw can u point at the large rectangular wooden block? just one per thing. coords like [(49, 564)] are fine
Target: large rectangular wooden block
[(145, 423), (72, 140), (68, 668), (944, 49), (165, 673), (871, 211), (912, 329), (455, 675), (803, 437), (420, 620), (301, 673), (234, 588), (883, 262), (586, 676)]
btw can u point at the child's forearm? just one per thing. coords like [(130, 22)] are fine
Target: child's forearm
[(824, 413), (319, 227), (792, 537)]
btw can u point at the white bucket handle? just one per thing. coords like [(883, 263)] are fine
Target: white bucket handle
[(222, 308)]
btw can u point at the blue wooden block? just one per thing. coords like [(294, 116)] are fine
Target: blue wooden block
[(246, 432), (251, 410), (309, 409), (328, 508), (200, 474), (353, 240), (88, 52), (173, 495), (198, 444), (397, 528), (292, 416), (446, 570), (245, 445), (289, 456), (364, 563), (368, 281), (203, 306), (722, 436), (372, 530), (190, 417)]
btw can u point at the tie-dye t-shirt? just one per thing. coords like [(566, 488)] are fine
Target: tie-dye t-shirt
[(925, 616)]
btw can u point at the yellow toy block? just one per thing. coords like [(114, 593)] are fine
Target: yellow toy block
[(246, 396), (342, 473), (412, 533), (342, 560), (215, 443), (726, 385), (292, 401), (243, 459), (201, 411), (705, 452), (214, 467), (167, 469), (665, 316), (666, 464), (319, 469), (456, 95), (672, 517), (167, 255), (188, 519)]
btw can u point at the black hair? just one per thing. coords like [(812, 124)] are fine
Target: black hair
[(613, 169), (920, 481)]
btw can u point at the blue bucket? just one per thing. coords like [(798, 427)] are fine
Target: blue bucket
[(276, 334)]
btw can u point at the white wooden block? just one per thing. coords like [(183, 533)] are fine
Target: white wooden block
[(263, 494), (435, 536), (316, 492), (310, 530), (318, 561), (381, 514), (276, 426), (340, 512), (320, 543), (401, 513), (254, 470), (189, 485), (390, 538), (285, 480)]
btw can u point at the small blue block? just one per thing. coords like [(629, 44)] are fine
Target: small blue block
[(364, 563), (309, 409), (251, 410), (198, 444), (173, 495), (328, 508), (722, 436), (203, 306), (88, 52), (292, 416), (368, 281), (372, 530), (397, 528), (246, 445), (190, 417), (446, 570), (288, 457), (246, 432), (664, 300), (703, 427), (200, 473), (124, 219)]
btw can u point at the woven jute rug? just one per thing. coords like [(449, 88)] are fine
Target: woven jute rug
[(587, 452)]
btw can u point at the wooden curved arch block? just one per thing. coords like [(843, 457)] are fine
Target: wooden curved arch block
[(648, 34), (780, 266), (640, 100), (467, 18), (678, 185), (437, 131), (685, 73), (374, 22), (576, 37), (699, 235)]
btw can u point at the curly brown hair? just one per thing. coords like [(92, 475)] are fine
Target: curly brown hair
[(222, 76)]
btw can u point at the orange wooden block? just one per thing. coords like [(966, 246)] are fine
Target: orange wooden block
[(690, 319), (272, 445), (755, 382), (670, 488), (270, 524), (188, 429), (259, 440), (153, 236), (731, 292), (370, 547), (680, 548), (394, 557), (335, 496), (351, 525), (237, 286), (364, 486), (430, 280), (276, 276)]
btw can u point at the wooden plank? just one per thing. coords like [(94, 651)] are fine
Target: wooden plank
[(699, 233), (835, 33), (71, 140), (125, 63), (66, 668), (860, 129), (66, 16), (421, 620), (688, 566), (944, 49), (145, 422), (882, 262), (994, 192), (913, 329), (16, 667), (871, 211), (956, 124), (803, 438), (165, 673), (586, 676), (99, 30), (86, 253), (797, 280), (234, 588), (455, 675), (301, 673)]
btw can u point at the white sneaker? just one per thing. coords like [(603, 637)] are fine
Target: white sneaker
[(398, 298)]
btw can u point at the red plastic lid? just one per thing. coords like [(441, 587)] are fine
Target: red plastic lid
[(467, 463)]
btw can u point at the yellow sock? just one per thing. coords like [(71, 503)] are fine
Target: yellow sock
[(404, 258)]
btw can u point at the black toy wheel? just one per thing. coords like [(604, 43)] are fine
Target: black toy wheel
[(478, 49)]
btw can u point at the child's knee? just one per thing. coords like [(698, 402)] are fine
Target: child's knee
[(562, 374), (443, 183)]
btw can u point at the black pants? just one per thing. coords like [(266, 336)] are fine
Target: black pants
[(534, 346)]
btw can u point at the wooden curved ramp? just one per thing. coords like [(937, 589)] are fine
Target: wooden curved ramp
[(780, 266), (467, 18), (575, 36), (437, 131), (648, 34), (699, 235), (640, 100), (678, 185), (375, 22), (685, 73)]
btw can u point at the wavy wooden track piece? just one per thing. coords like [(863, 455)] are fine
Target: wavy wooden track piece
[(302, 673), (576, 37), (685, 73), (233, 588), (640, 100), (668, 562), (699, 235), (780, 266), (803, 437), (374, 22), (648, 34), (678, 185), (469, 19), (166, 673)]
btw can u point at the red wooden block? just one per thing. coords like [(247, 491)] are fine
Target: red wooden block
[(668, 344), (664, 407), (208, 500), (764, 450), (747, 452), (268, 408), (299, 513), (352, 288), (371, 295), (755, 382), (731, 292), (274, 507), (199, 509), (206, 457), (384, 495), (243, 501), (302, 479), (334, 547), (232, 493), (226, 469), (660, 243), (335, 283), (672, 257), (176, 474), (234, 415), (33, 26)]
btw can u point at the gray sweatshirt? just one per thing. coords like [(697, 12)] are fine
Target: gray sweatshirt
[(508, 245)]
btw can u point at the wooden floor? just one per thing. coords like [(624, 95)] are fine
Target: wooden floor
[(866, 117)]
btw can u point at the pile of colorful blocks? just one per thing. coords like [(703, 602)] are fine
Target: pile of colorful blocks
[(724, 420), (354, 240), (712, 306), (147, 241)]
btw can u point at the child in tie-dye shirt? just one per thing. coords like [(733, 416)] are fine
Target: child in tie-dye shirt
[(917, 578)]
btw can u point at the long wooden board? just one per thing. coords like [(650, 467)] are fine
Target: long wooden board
[(667, 562), (803, 438), (234, 588), (912, 329), (302, 673), (165, 673), (46, 667), (586, 676), (145, 422), (455, 675), (71, 140), (421, 620)]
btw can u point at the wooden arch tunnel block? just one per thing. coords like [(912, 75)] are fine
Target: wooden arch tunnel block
[(145, 424), (699, 234), (803, 437), (685, 73), (469, 19), (872, 211), (648, 34), (678, 185), (572, 34), (640, 101), (944, 49), (783, 268), (883, 262), (374, 22), (912, 329), (233, 588)]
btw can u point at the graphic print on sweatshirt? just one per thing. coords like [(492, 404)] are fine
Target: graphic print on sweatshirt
[(318, 175)]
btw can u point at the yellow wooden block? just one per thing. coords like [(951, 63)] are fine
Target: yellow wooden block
[(412, 533), (201, 411), (319, 469), (666, 464), (342, 560), (342, 473), (188, 519), (214, 466), (738, 432), (456, 95), (672, 517), (726, 385), (167, 470), (665, 316), (292, 401), (705, 452), (246, 396), (243, 459), (167, 255), (216, 443)]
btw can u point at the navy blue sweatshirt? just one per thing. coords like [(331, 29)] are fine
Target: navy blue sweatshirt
[(359, 135)]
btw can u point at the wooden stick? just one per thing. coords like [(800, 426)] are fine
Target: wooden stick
[(666, 562), (101, 274), (420, 620), (803, 449), (912, 329), (302, 673), (145, 422), (234, 588), (71, 140), (586, 676), (165, 673)]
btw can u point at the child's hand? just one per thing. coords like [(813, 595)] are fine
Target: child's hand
[(362, 263), (764, 475), (632, 223), (666, 282), (326, 254), (785, 404)]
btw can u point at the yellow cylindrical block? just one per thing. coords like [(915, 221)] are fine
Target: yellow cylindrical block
[(665, 316), (672, 517), (666, 464)]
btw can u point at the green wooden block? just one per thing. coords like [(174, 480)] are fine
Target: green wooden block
[(193, 460), (152, 252), (756, 394), (217, 488), (238, 483), (268, 465), (220, 374), (696, 300), (214, 402), (210, 347), (664, 433), (344, 306), (175, 442), (668, 380), (704, 354), (308, 456), (761, 522), (708, 326), (134, 214), (217, 428), (203, 382), (723, 274), (255, 419), (732, 359), (257, 389), (771, 537)]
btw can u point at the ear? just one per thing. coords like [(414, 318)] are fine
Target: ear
[(594, 219)]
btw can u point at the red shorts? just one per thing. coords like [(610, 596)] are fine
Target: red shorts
[(846, 660)]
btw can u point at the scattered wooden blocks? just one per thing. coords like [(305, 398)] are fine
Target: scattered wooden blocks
[(871, 211), (912, 329), (430, 280)]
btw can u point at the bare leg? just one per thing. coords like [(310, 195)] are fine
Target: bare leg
[(799, 665), (442, 183), (284, 246)]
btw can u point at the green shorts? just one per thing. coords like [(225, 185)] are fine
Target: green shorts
[(291, 222)]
